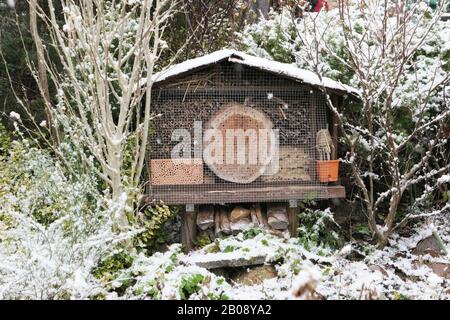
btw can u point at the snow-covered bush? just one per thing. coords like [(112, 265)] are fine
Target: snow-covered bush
[(165, 276), (282, 38), (54, 226), (209, 26), (106, 53), (320, 272), (5, 140), (277, 38), (397, 55), (64, 210), (317, 228), (152, 220), (175, 275), (289, 40)]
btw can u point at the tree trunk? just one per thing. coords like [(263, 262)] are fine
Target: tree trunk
[(293, 219), (42, 70), (115, 153), (188, 229), (262, 7)]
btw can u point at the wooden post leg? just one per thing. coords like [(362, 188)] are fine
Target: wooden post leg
[(188, 227), (293, 217)]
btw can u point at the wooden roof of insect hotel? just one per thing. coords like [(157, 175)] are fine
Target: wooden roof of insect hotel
[(285, 70)]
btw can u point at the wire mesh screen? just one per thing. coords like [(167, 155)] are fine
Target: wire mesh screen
[(206, 145)]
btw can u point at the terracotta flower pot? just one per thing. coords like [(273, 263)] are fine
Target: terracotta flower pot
[(328, 171)]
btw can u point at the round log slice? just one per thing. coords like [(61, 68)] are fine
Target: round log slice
[(241, 157)]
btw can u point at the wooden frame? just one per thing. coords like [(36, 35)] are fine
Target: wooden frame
[(188, 226), (293, 210), (216, 194)]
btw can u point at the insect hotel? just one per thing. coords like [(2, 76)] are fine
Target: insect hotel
[(238, 140)]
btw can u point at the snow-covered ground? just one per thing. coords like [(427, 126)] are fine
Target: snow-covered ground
[(356, 271)]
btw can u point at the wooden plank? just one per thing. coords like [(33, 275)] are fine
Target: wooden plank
[(181, 90), (212, 194), (188, 229), (293, 219), (334, 127)]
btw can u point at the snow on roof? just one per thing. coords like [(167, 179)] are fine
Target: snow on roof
[(282, 69)]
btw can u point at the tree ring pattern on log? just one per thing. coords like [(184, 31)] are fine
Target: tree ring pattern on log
[(236, 116)]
